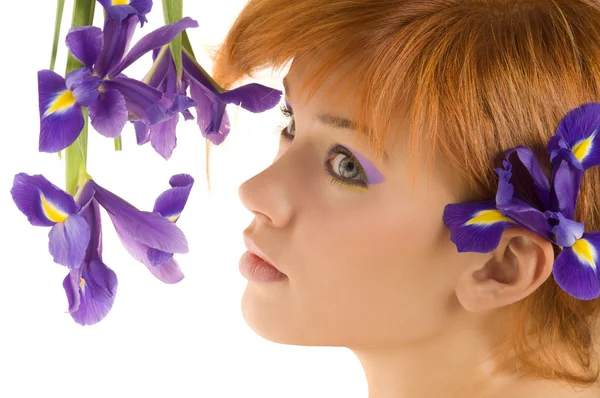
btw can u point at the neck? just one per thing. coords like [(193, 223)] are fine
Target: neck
[(458, 361)]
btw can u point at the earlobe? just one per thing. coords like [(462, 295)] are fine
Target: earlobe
[(519, 265)]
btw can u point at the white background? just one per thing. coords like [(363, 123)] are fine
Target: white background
[(182, 340)]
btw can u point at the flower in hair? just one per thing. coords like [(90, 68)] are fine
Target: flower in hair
[(527, 199)]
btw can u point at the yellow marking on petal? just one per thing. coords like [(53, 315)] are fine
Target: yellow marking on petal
[(488, 217), (119, 2), (51, 212), (174, 218), (62, 102), (82, 284), (585, 252), (583, 147)]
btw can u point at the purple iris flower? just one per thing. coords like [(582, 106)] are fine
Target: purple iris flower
[(164, 78), (209, 100), (527, 199), (91, 288), (110, 97), (46, 205), (76, 237), (151, 247), (121, 9)]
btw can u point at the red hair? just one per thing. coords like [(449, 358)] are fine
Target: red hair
[(474, 77)]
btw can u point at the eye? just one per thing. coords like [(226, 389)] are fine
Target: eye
[(344, 167), (288, 131)]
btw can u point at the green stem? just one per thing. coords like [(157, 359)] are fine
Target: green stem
[(173, 12), (60, 6), (76, 154), (118, 144)]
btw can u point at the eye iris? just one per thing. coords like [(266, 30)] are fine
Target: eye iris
[(347, 168)]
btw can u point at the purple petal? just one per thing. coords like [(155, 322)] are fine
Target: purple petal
[(576, 268), (506, 191), (71, 286), (121, 11), (109, 114), (50, 85), (85, 196), (528, 159), (187, 115), (476, 226), (97, 289), (143, 7), (253, 97), (42, 202), (170, 85), (156, 113), (181, 103), (163, 136), (158, 257), (91, 215), (61, 118), (117, 37), (69, 241), (152, 40), (142, 132), (528, 217), (91, 288), (85, 43), (209, 112), (84, 86), (580, 130), (566, 181), (566, 231), (168, 272), (150, 229), (170, 203), (139, 96)]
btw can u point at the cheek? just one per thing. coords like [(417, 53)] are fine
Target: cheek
[(363, 273)]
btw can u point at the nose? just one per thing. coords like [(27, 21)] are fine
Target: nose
[(268, 195)]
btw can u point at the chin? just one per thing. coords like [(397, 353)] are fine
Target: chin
[(272, 319)]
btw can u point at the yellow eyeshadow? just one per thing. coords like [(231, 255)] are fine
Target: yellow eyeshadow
[(351, 186), (487, 217)]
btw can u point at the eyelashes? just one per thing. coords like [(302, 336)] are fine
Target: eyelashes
[(339, 160)]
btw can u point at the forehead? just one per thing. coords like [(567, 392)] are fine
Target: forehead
[(335, 99)]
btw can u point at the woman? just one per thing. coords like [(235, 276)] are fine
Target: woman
[(412, 109)]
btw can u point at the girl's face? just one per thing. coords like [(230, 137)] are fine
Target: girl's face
[(368, 259)]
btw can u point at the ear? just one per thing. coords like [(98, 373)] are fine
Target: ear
[(521, 262)]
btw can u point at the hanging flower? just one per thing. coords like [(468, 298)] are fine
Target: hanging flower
[(99, 85)]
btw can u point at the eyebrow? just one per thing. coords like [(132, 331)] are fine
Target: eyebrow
[(327, 119)]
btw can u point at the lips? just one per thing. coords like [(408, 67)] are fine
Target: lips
[(253, 248)]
